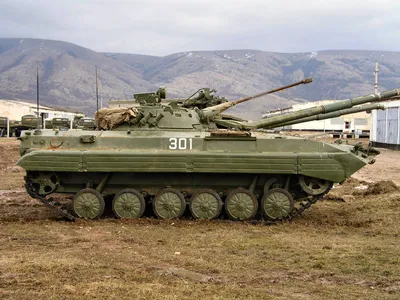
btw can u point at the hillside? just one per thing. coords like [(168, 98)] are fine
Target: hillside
[(67, 74)]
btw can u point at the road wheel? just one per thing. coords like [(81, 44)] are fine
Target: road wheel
[(205, 204), (277, 204), (169, 204), (128, 203), (241, 204), (88, 204)]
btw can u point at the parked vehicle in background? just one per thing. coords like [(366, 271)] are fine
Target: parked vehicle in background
[(3, 126), (27, 122), (86, 124), (61, 123)]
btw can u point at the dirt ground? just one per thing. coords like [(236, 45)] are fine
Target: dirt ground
[(344, 247), (386, 167)]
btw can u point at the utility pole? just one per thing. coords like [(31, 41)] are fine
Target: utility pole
[(37, 96), (376, 78), (374, 115), (97, 92)]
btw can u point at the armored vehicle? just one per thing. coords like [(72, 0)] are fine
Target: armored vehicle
[(27, 122), (60, 123), (86, 124), (3, 126), (48, 123), (163, 158)]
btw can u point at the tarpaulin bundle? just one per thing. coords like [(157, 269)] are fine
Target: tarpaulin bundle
[(109, 118)]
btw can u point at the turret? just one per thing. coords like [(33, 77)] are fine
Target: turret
[(152, 113), (278, 120)]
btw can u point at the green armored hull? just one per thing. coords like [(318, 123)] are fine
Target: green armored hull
[(186, 163), (203, 153), (170, 157)]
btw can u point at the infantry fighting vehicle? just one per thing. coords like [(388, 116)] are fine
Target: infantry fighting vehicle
[(167, 157)]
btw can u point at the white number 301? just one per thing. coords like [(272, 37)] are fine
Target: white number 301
[(180, 143)]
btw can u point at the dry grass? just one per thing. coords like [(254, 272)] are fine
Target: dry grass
[(336, 250)]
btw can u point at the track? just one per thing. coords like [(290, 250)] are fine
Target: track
[(49, 202), (301, 206)]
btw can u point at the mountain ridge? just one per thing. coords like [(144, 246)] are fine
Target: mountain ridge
[(67, 74)]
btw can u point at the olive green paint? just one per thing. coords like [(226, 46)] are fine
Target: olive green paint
[(186, 150)]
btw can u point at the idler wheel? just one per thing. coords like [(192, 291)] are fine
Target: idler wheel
[(241, 204), (128, 203), (88, 204), (205, 204), (43, 183), (314, 186), (169, 204), (277, 204)]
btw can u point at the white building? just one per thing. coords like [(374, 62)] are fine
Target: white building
[(385, 129), (14, 110)]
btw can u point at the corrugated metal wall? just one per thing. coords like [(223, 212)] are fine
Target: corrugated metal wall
[(386, 125), (381, 126), (393, 125)]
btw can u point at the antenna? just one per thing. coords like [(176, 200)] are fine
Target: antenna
[(97, 92), (37, 96)]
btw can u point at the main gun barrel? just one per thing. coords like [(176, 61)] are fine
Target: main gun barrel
[(335, 114), (274, 121)]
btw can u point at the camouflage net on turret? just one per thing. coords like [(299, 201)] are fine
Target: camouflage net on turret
[(109, 118)]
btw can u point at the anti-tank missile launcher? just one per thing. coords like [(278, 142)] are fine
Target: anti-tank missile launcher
[(170, 157)]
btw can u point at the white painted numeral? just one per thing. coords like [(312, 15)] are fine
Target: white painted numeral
[(180, 143), (173, 143)]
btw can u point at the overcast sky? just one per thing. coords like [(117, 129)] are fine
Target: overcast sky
[(159, 27)]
